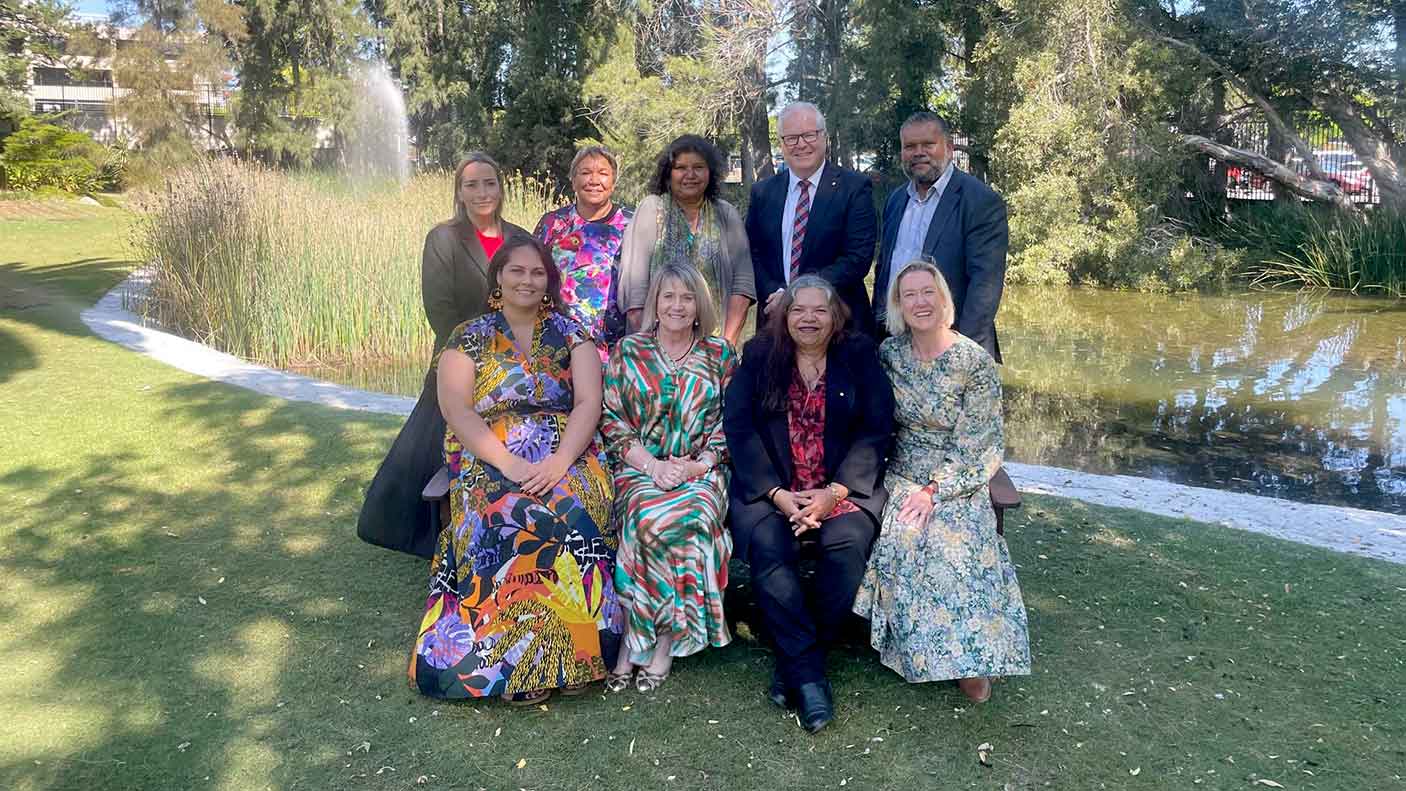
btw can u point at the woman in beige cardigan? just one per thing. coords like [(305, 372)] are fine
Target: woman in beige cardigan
[(685, 222)]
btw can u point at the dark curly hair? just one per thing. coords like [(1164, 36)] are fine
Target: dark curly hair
[(513, 242), (690, 144)]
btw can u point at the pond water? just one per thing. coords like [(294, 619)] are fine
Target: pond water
[(1298, 396)]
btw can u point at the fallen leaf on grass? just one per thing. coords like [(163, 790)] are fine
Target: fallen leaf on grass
[(1135, 771), (521, 762), (1263, 782), (364, 747), (182, 746), (983, 753)]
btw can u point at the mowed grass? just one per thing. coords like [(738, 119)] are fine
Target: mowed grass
[(184, 604)]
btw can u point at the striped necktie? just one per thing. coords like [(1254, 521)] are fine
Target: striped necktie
[(798, 231)]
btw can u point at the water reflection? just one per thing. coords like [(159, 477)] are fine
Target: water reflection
[(1291, 395), (1298, 396)]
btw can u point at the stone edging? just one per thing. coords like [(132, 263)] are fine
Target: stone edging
[(1351, 530)]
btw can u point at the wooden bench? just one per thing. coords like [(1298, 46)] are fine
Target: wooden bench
[(437, 492), (1004, 496)]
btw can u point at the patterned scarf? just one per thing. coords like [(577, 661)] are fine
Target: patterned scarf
[(678, 244)]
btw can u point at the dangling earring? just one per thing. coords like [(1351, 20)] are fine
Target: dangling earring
[(546, 307), (495, 300)]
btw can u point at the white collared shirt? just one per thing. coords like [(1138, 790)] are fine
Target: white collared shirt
[(788, 215), (913, 228)]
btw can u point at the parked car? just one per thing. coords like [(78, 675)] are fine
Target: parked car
[(1343, 168)]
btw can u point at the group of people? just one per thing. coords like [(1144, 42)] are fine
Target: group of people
[(609, 450)]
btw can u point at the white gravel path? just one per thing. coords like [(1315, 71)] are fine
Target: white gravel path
[(1350, 530)]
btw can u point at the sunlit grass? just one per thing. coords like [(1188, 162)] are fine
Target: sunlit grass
[(288, 269)]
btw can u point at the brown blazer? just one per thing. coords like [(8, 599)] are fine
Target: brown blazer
[(454, 276)]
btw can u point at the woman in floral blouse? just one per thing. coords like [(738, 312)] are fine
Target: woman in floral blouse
[(584, 240), (940, 590)]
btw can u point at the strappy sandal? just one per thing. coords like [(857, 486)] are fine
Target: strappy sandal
[(528, 698), (618, 682), (647, 682), (572, 690)]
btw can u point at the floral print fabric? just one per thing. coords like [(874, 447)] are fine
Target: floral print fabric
[(587, 252), (671, 569), (521, 591), (805, 419), (942, 597)]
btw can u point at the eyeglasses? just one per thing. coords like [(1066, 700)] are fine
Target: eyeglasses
[(810, 137)]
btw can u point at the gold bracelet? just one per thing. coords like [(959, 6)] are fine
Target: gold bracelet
[(834, 490)]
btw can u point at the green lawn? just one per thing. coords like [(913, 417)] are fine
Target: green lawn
[(184, 604)]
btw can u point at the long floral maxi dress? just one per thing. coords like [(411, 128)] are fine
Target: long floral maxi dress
[(674, 550), (588, 254), (942, 597), (521, 596)]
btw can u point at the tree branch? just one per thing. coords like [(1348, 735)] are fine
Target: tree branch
[(1315, 189), (1300, 147)]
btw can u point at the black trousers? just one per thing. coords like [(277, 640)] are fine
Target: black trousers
[(802, 627)]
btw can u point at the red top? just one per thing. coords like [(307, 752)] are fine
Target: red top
[(805, 419), (490, 243)]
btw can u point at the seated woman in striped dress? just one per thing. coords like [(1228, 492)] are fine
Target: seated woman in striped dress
[(662, 423)]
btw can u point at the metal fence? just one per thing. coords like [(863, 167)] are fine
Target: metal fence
[(1330, 150)]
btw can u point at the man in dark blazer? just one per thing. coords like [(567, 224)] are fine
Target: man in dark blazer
[(814, 218), (952, 218)]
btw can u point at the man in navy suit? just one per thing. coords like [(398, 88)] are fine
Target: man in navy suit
[(814, 218), (952, 218)]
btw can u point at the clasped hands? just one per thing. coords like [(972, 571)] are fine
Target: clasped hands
[(671, 473), (806, 509), (539, 478)]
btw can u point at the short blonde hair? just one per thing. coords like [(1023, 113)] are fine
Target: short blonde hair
[(690, 278), (893, 319)]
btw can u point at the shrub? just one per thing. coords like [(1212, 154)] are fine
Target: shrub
[(42, 155)]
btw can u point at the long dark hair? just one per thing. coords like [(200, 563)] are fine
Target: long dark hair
[(513, 242), (780, 367), (690, 144)]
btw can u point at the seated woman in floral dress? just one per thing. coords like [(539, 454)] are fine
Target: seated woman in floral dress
[(521, 597), (663, 426), (940, 590)]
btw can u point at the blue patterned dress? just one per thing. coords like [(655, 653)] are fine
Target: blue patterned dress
[(942, 597), (521, 590)]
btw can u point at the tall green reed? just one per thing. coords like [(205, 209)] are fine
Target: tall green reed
[(299, 269), (1356, 253)]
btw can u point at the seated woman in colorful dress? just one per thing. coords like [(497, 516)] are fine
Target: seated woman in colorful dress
[(940, 590), (454, 288), (685, 221), (521, 597), (663, 427), (584, 239), (808, 420)]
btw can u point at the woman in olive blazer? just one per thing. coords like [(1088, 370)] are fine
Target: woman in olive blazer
[(454, 288)]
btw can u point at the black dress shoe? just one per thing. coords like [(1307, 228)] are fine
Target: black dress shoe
[(777, 694), (816, 705)]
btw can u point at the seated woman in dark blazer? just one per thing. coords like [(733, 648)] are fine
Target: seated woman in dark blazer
[(454, 287), (809, 420)]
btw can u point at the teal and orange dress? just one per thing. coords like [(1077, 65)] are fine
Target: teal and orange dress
[(672, 564), (521, 595)]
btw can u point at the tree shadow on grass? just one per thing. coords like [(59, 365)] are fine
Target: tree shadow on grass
[(198, 607), (16, 356)]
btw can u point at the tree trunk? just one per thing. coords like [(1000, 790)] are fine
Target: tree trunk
[(1385, 158), (1308, 187)]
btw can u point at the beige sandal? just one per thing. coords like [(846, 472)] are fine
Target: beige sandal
[(618, 682), (647, 682)]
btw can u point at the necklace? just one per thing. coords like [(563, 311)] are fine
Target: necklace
[(817, 369), (674, 360)]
